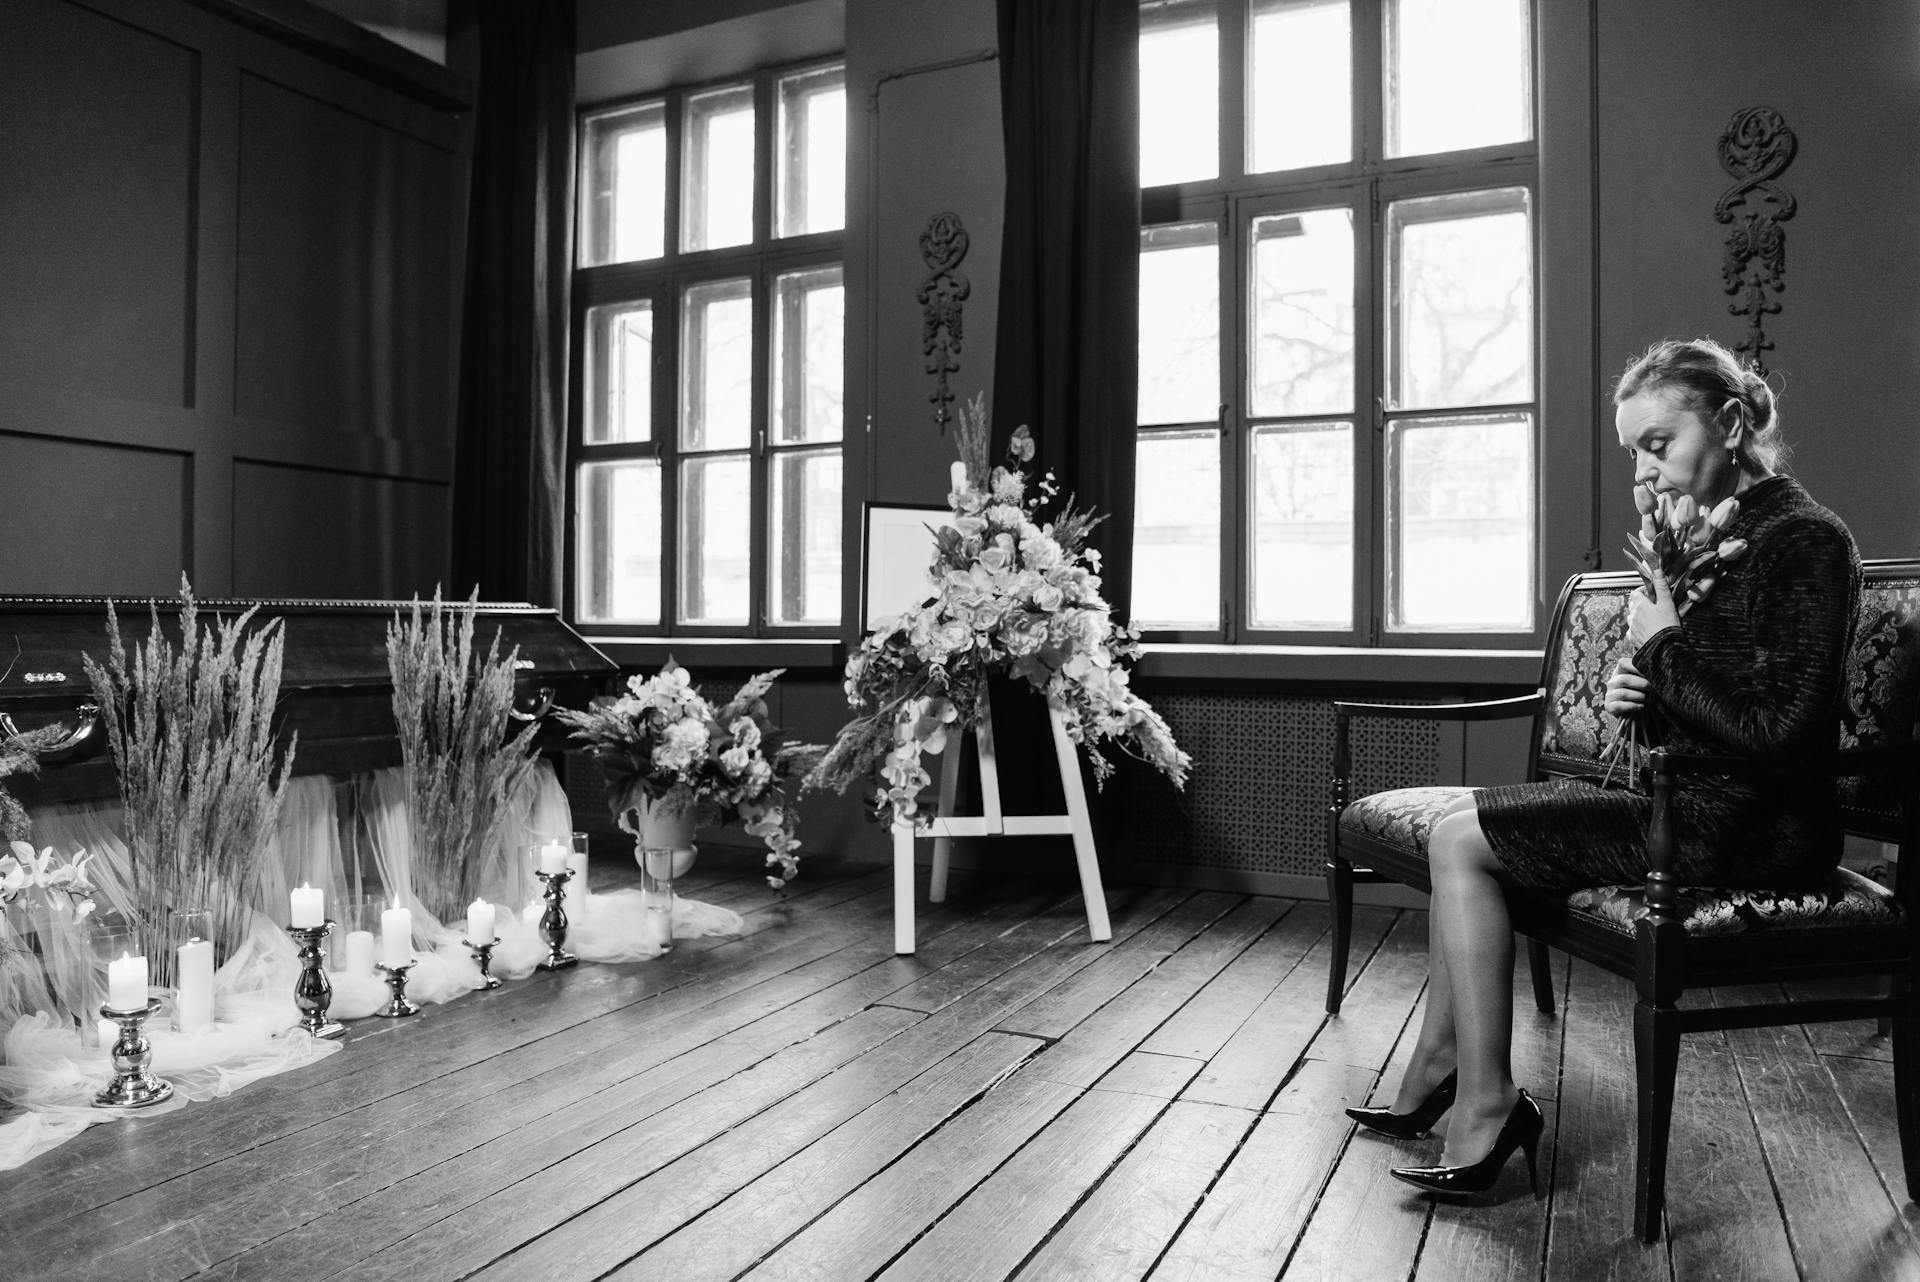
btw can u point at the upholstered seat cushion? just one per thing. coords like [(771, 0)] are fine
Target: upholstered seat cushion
[(1844, 901), (1403, 819)]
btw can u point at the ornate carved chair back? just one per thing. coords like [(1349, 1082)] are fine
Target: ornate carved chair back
[(1588, 637)]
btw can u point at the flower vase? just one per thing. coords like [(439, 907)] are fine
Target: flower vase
[(663, 847)]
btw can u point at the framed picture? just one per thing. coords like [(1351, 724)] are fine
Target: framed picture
[(898, 548)]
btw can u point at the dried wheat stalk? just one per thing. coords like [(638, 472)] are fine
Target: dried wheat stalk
[(193, 740), (453, 709)]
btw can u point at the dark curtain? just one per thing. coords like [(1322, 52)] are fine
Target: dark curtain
[(1067, 352), (509, 483), (1066, 356)]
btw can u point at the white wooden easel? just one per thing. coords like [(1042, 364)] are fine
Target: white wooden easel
[(992, 823)]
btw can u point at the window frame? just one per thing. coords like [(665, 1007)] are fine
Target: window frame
[(663, 282), (1366, 183)]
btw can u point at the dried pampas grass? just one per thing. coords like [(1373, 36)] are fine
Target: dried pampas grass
[(453, 710), (193, 740)]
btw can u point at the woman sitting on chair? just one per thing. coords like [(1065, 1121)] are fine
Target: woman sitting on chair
[(1754, 669)]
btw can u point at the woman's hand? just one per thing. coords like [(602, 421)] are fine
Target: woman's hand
[(1647, 619), (1627, 691)]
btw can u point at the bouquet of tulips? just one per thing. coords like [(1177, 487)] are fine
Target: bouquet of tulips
[(1684, 543)]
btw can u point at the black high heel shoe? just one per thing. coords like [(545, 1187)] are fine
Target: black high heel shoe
[(1411, 1125), (1520, 1131)]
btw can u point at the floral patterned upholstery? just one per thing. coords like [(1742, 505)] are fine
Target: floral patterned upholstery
[(1591, 639), (1882, 703), (1404, 819), (1846, 901)]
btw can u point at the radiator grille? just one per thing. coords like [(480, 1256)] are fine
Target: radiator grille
[(1256, 801)]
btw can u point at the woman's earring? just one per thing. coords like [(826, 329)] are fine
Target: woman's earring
[(1733, 457)]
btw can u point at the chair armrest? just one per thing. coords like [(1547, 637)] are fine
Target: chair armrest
[(1524, 705), (1664, 765), (1847, 764)]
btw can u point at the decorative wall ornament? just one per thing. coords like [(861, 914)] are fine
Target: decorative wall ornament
[(942, 245), (1755, 148)]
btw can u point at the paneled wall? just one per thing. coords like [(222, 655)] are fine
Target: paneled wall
[(229, 252)]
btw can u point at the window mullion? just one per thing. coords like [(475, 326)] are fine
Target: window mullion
[(666, 406), (1234, 327), (760, 552), (1233, 23)]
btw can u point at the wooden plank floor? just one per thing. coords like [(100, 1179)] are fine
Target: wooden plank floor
[(1012, 1102)]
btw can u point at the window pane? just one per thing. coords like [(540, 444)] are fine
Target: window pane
[(1176, 531), (1461, 279), (618, 524), (808, 314), (1179, 324), (805, 583), (811, 149), (716, 538), (623, 196), (1300, 85), (716, 366), (1303, 527), (1179, 91), (1458, 74), (1302, 358), (620, 373), (1460, 523), (716, 170)]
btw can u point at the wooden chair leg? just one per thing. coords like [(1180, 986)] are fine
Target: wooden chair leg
[(1340, 901), (1906, 1079), (1540, 964), (1656, 1060), (903, 888)]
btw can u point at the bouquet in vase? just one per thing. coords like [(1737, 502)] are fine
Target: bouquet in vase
[(1012, 593), (663, 746), (1686, 545)]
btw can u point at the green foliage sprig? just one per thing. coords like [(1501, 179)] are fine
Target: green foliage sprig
[(20, 755), (193, 740), (453, 711)]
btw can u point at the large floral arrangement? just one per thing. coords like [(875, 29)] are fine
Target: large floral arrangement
[(1012, 593), (663, 742)]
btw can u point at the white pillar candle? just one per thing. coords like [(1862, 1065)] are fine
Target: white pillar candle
[(553, 858), (577, 865), (480, 922), (127, 983), (193, 1003), (359, 952), (396, 936), (309, 906)]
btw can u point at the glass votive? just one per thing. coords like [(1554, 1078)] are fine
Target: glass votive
[(188, 954)]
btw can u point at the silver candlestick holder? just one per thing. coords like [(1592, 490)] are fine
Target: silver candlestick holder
[(397, 1003), (483, 955), (133, 1086), (553, 922), (313, 991)]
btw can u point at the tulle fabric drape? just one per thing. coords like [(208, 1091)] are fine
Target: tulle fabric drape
[(350, 837)]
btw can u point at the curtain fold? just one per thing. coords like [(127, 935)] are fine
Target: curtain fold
[(1066, 351), (510, 448), (1066, 354)]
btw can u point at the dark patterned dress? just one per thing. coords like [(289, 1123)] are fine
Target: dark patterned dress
[(1753, 670)]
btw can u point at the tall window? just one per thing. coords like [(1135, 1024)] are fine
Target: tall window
[(709, 305), (1338, 425)]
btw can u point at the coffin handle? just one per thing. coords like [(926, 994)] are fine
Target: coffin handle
[(542, 705), (83, 741)]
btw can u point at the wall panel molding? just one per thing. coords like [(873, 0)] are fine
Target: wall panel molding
[(147, 144)]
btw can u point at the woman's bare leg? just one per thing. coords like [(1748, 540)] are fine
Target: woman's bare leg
[(1470, 920), (1433, 1054)]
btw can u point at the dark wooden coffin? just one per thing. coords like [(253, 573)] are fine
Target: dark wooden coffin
[(334, 687)]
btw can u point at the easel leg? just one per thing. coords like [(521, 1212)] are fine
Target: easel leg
[(1099, 928), (943, 846), (903, 888)]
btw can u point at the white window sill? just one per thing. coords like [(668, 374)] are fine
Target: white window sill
[(1520, 668)]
